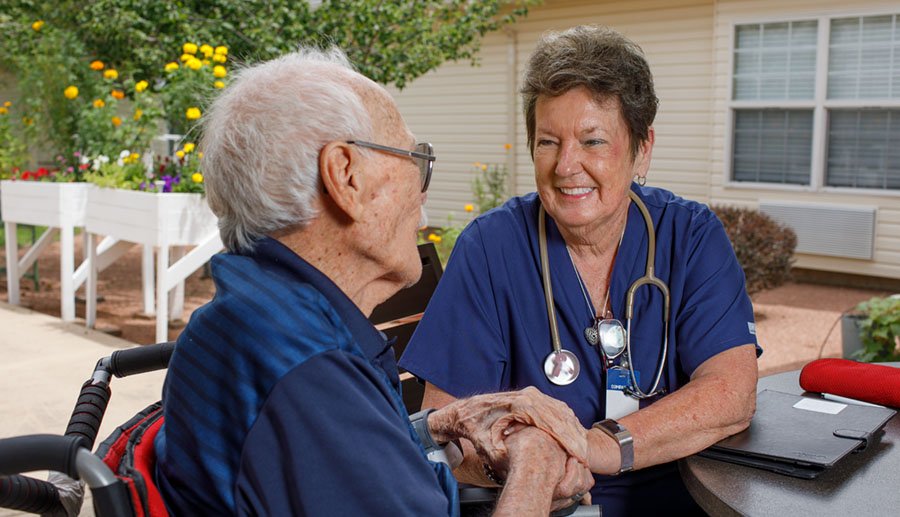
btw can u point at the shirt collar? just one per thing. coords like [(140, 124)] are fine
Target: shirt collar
[(371, 341)]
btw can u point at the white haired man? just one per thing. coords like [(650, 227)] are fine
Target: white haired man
[(281, 398)]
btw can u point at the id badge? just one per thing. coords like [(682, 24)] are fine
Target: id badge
[(618, 404)]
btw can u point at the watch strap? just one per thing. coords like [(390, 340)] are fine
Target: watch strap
[(419, 421), (623, 437)]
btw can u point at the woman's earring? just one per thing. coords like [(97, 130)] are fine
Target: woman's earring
[(642, 180)]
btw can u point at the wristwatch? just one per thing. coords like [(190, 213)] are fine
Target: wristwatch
[(623, 437), (433, 451)]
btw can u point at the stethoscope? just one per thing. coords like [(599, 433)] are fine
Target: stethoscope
[(562, 366)]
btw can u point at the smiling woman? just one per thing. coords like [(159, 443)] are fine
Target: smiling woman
[(583, 166), (589, 108)]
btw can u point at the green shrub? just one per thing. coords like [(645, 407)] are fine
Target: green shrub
[(764, 248), (879, 330)]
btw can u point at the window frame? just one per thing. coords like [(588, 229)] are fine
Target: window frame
[(819, 104)]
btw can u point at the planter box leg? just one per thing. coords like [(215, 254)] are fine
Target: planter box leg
[(12, 262), (162, 294), (90, 290), (67, 273), (176, 295), (147, 279)]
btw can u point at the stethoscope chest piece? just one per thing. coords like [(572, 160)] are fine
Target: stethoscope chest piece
[(561, 367)]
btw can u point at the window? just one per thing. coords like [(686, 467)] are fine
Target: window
[(793, 125)]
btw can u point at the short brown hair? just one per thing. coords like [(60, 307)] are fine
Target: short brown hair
[(600, 59)]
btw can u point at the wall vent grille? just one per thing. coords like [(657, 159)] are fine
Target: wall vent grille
[(832, 230)]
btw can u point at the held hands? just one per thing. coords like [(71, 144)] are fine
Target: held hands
[(486, 420), (494, 424)]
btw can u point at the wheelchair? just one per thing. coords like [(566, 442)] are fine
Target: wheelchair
[(120, 472)]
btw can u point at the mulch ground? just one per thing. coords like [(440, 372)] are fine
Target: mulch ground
[(119, 312)]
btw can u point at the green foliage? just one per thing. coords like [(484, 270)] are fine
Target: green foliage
[(191, 84), (127, 172), (395, 42), (43, 72), (764, 248), (443, 237), (490, 186), (879, 330), (14, 137), (107, 125), (182, 172), (392, 42)]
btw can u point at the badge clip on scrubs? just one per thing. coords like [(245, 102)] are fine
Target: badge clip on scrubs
[(562, 367)]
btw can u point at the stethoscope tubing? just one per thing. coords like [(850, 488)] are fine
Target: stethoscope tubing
[(649, 278)]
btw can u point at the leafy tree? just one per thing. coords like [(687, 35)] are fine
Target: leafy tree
[(392, 42)]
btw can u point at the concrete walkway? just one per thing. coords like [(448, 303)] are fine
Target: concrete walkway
[(44, 362)]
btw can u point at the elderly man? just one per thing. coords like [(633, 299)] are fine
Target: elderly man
[(281, 397)]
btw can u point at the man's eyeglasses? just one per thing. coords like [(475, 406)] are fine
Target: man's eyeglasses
[(424, 156)]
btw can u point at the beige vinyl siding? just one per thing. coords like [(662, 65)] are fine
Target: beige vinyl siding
[(467, 111), (886, 258), (464, 111)]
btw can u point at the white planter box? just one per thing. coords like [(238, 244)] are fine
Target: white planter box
[(154, 219), (61, 207), (166, 221), (44, 204)]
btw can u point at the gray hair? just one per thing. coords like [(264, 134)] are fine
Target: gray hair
[(262, 137), (602, 60)]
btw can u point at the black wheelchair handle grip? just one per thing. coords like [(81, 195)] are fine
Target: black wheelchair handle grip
[(141, 359), (88, 412), (29, 495), (40, 452)]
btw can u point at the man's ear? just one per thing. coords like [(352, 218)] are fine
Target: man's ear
[(340, 169)]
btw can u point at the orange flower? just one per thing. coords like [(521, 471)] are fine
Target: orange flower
[(469, 207), (97, 65), (117, 94), (116, 121), (98, 103), (507, 146)]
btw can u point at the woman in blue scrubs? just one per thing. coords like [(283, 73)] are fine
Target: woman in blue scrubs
[(589, 109)]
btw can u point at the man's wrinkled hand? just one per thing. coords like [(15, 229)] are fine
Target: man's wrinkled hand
[(574, 487), (487, 420)]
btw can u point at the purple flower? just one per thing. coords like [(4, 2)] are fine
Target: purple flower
[(169, 181)]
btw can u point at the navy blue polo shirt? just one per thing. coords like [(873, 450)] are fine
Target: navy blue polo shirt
[(486, 330), (282, 399)]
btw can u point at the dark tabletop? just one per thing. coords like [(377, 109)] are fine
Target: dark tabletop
[(867, 483)]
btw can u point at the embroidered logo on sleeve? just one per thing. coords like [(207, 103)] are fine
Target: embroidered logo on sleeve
[(751, 326)]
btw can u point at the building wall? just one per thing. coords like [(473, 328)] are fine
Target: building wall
[(469, 113), (886, 261)]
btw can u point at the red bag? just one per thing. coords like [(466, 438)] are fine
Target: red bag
[(875, 383)]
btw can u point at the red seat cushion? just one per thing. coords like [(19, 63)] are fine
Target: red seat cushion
[(129, 452)]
